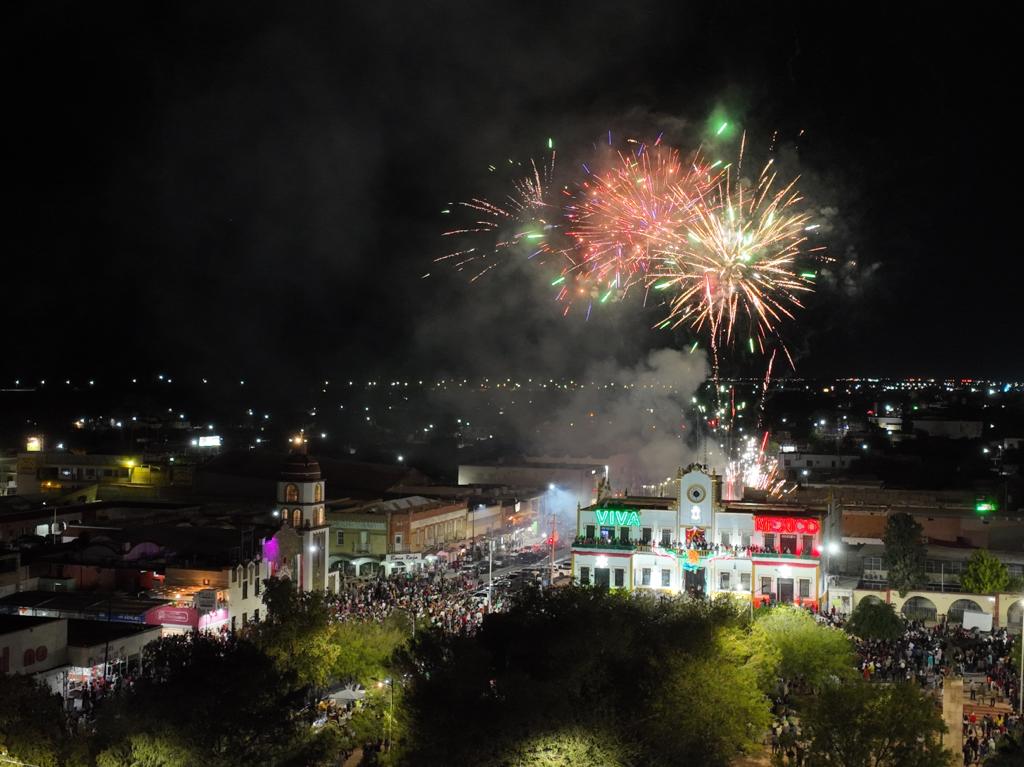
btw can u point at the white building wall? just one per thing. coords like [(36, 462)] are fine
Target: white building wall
[(35, 649)]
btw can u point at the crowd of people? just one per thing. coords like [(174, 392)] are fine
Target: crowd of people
[(440, 597), (982, 734)]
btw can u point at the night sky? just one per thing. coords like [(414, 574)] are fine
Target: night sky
[(245, 189)]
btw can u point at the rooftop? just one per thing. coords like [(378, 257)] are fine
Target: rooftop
[(86, 633), (11, 623), (81, 604)]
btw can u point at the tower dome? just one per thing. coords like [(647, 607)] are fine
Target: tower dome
[(300, 467)]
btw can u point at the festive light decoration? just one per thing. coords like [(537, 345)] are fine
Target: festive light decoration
[(618, 517), (786, 525)]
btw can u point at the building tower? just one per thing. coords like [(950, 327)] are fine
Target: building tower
[(300, 499)]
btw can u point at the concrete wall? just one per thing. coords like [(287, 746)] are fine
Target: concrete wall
[(998, 606), (35, 649)]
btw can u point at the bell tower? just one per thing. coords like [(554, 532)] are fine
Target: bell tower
[(300, 500)]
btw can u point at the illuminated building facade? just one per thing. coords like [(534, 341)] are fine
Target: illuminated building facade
[(701, 545)]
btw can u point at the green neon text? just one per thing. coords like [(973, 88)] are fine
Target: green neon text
[(618, 518)]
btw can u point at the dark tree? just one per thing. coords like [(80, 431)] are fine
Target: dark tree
[(859, 724), (579, 663), (905, 553), (204, 700), (875, 620), (32, 723)]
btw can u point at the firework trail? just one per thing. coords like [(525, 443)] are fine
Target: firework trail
[(520, 219)]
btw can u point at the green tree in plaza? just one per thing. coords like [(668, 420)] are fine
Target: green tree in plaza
[(873, 619), (859, 724), (302, 636), (905, 553), (790, 643), (1009, 753), (32, 723), (582, 661), (204, 700), (984, 574), (688, 707), (570, 748), (297, 633)]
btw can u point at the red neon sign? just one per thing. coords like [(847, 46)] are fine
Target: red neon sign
[(786, 525)]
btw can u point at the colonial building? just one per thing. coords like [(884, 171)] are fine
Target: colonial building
[(299, 550), (699, 544)]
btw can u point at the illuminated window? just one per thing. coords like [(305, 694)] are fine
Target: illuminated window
[(318, 493), (291, 494), (296, 517)]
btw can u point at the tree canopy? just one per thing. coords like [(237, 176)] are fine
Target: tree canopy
[(872, 619), (791, 642), (905, 553), (31, 722), (860, 724), (651, 677), (206, 700), (984, 574)]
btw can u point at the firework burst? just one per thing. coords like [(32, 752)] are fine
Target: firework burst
[(735, 266), (619, 217), (521, 219)]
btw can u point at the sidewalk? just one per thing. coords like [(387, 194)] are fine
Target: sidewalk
[(952, 714)]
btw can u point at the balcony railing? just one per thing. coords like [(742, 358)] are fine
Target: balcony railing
[(604, 543)]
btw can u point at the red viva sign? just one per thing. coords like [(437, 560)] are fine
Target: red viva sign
[(786, 525)]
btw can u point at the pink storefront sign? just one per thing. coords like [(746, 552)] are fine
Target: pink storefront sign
[(173, 616)]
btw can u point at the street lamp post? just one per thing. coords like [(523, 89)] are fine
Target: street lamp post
[(389, 732), (1020, 688)]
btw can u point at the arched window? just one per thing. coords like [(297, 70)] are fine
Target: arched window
[(318, 493), (291, 493), (319, 515), (955, 613), (296, 517), (919, 609)]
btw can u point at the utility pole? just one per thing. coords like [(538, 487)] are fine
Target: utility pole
[(551, 579), (490, 571)]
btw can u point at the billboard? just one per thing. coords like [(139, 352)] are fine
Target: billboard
[(211, 440)]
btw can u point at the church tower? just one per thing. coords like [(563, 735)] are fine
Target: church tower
[(300, 499)]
